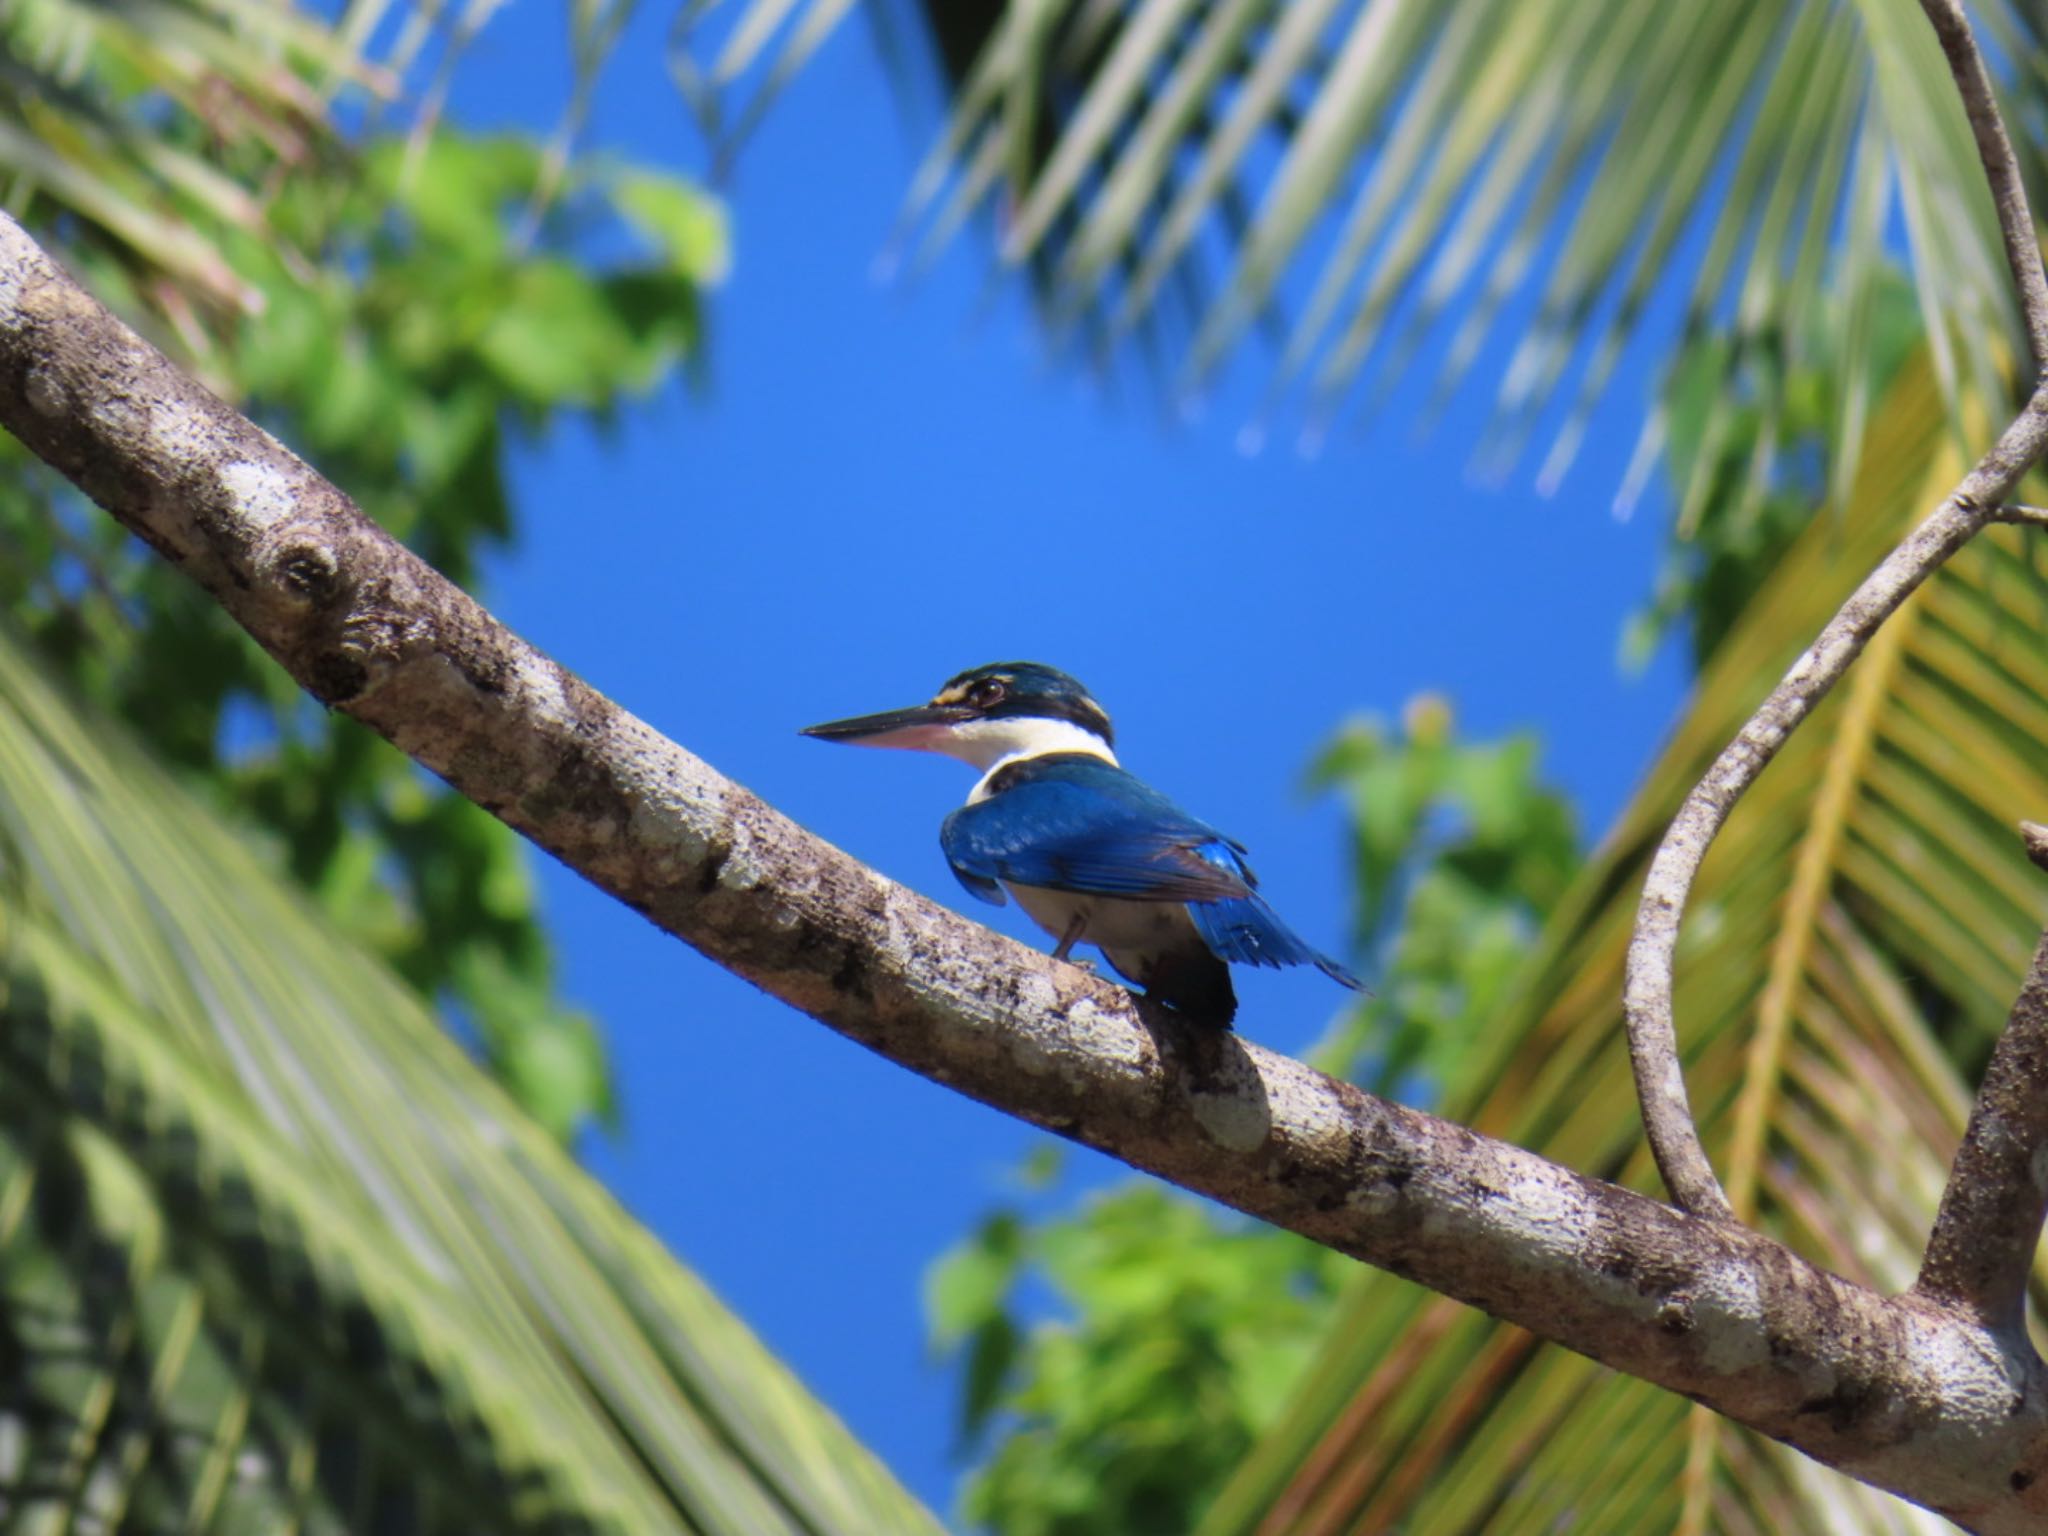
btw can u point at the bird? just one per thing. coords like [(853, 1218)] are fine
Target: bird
[(1090, 852)]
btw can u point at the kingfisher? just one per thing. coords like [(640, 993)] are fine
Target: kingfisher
[(1092, 854)]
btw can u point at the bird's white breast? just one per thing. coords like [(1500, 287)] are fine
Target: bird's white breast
[(1129, 933)]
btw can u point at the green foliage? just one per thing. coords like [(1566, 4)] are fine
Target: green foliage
[(1183, 1329), (1180, 1329), (1458, 850), (1748, 456), (412, 324)]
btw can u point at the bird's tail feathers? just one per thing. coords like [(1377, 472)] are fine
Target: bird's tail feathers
[(1249, 932)]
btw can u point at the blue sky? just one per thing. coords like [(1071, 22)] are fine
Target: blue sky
[(882, 485)]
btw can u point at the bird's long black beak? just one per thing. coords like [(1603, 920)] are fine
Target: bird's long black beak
[(896, 728)]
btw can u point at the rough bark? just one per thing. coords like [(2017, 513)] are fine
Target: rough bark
[(1906, 1393), (1989, 1224)]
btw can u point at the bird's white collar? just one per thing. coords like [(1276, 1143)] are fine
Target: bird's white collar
[(992, 745)]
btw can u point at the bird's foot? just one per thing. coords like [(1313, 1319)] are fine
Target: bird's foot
[(1065, 948)]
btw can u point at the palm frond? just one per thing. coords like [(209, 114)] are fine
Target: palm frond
[(1857, 937), (1387, 186), (275, 1255)]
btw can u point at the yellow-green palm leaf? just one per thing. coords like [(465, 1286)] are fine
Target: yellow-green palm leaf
[(1857, 936), (276, 1256)]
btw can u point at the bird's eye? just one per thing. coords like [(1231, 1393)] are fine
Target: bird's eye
[(987, 693)]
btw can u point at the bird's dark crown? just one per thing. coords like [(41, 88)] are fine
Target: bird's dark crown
[(1004, 690)]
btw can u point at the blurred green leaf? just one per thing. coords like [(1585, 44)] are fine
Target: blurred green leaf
[(554, 336), (685, 225), (456, 191), (967, 1287), (1747, 450), (1176, 1334), (1457, 853)]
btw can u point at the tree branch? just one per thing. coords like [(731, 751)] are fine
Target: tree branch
[(1989, 1224), (1908, 1396), (1652, 1033)]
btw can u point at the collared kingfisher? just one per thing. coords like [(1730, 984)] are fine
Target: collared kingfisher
[(1091, 853)]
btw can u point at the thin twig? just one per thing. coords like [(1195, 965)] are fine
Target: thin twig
[(1979, 500), (2001, 170), (1989, 1224)]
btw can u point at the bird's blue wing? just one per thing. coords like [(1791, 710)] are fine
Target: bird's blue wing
[(1080, 824), (1249, 932)]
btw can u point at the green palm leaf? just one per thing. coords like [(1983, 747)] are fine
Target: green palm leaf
[(1856, 939), (274, 1254), (1356, 176)]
